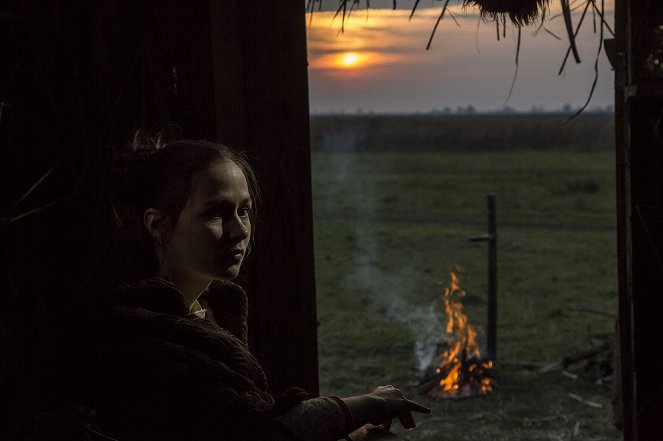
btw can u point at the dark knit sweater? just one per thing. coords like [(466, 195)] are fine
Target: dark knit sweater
[(151, 370)]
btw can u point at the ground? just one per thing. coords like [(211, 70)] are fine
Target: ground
[(389, 226)]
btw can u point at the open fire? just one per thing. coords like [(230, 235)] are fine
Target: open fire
[(461, 372)]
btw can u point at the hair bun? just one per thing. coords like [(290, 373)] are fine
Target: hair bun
[(128, 173)]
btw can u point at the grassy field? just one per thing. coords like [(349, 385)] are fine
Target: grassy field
[(389, 226)]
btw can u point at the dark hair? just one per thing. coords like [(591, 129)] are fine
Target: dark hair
[(152, 175)]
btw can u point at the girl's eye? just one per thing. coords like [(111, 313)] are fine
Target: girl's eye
[(244, 212)]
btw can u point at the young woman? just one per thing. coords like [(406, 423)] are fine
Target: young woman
[(167, 358)]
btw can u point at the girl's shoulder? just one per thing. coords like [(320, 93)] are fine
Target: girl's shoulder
[(229, 307)]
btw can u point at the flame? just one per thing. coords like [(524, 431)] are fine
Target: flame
[(461, 371)]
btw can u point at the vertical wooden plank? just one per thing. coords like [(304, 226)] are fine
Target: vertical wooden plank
[(152, 68), (228, 67), (646, 276), (277, 135), (624, 390), (265, 112), (640, 160)]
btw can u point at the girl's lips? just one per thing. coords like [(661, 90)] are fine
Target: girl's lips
[(235, 255)]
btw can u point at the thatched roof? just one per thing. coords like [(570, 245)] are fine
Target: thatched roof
[(519, 11)]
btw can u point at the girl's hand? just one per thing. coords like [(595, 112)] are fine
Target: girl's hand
[(395, 405), (381, 406)]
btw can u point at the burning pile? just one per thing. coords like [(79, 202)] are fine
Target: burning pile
[(461, 372)]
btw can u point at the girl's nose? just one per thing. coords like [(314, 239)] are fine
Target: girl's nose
[(238, 229)]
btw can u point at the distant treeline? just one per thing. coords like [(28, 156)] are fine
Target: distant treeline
[(589, 131)]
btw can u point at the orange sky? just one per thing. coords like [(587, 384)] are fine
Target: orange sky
[(380, 63)]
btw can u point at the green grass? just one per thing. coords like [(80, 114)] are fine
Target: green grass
[(389, 226)]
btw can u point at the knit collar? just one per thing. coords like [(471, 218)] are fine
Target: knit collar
[(227, 301), (155, 294)]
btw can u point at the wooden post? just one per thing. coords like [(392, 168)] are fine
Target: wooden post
[(491, 344), (491, 238), (639, 107), (261, 102)]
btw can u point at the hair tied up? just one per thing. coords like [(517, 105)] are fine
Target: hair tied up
[(146, 143), (128, 172)]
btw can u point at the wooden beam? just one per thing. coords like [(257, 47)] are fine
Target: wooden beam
[(624, 400), (639, 109), (261, 99)]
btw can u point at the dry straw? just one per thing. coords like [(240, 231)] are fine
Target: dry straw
[(520, 12)]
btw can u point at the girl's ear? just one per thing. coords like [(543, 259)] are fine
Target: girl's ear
[(156, 223)]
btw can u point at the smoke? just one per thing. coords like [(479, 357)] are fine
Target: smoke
[(388, 289), (388, 293)]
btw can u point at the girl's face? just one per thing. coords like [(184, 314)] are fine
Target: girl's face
[(211, 236)]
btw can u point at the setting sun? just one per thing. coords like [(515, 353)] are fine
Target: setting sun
[(349, 59)]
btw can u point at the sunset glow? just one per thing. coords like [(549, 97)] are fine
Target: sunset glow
[(379, 61), (363, 46)]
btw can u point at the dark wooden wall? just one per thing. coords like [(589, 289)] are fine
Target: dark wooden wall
[(79, 77), (639, 114), (261, 99)]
